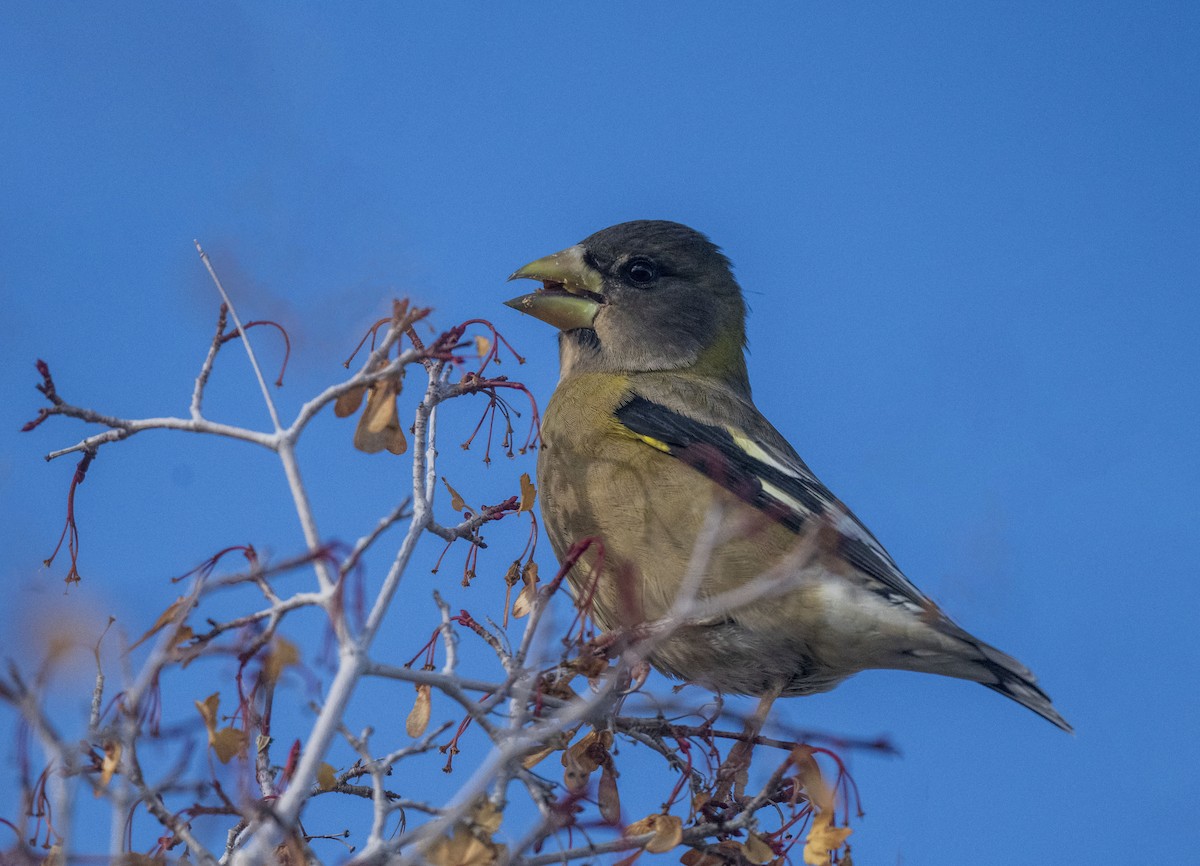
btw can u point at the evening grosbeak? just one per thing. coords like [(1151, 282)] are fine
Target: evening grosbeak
[(652, 423)]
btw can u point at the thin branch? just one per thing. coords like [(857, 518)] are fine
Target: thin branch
[(207, 366), (237, 322)]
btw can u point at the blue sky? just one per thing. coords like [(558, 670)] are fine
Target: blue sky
[(968, 234)]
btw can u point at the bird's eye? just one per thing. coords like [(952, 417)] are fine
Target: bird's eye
[(641, 272)]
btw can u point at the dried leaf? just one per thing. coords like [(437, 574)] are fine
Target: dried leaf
[(524, 603), (692, 857), (456, 500), (381, 410), (347, 404), (588, 754), (607, 795), (815, 788), (528, 594), (574, 775), (108, 767), (326, 777), (164, 618), (208, 711), (482, 344), (528, 493), (227, 742), (756, 850), (731, 850), (418, 716), (590, 663), (822, 839), (667, 830), (535, 758), (513, 574), (283, 653), (289, 853), (462, 849), (379, 425), (487, 816)]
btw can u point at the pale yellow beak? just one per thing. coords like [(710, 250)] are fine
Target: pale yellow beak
[(572, 292)]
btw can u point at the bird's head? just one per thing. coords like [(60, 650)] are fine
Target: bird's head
[(642, 296)]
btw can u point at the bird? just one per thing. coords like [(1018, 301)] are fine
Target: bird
[(652, 445)]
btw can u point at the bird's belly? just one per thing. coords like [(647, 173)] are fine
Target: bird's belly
[(617, 499), (730, 658)]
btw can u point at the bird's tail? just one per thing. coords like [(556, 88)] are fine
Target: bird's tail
[(960, 654), (1002, 673)]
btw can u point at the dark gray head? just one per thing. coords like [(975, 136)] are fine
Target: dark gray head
[(642, 296)]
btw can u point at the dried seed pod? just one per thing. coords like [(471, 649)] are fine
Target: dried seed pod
[(347, 404), (418, 716), (667, 830)]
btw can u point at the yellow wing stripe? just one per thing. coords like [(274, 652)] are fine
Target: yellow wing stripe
[(656, 444)]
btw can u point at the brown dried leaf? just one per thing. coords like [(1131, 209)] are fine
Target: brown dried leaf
[(283, 653), (732, 850), (456, 500), (108, 767), (590, 664), (524, 602), (379, 425), (692, 857), (347, 404), (815, 788), (823, 838), (556, 743), (463, 848), (607, 795), (289, 853), (164, 618), (756, 850), (227, 742), (535, 758), (487, 816), (326, 777), (418, 716), (528, 594), (513, 574), (528, 493), (574, 774), (667, 830), (208, 711), (482, 344), (590, 752), (728, 852)]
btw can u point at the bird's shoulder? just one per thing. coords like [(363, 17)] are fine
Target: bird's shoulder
[(710, 402)]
